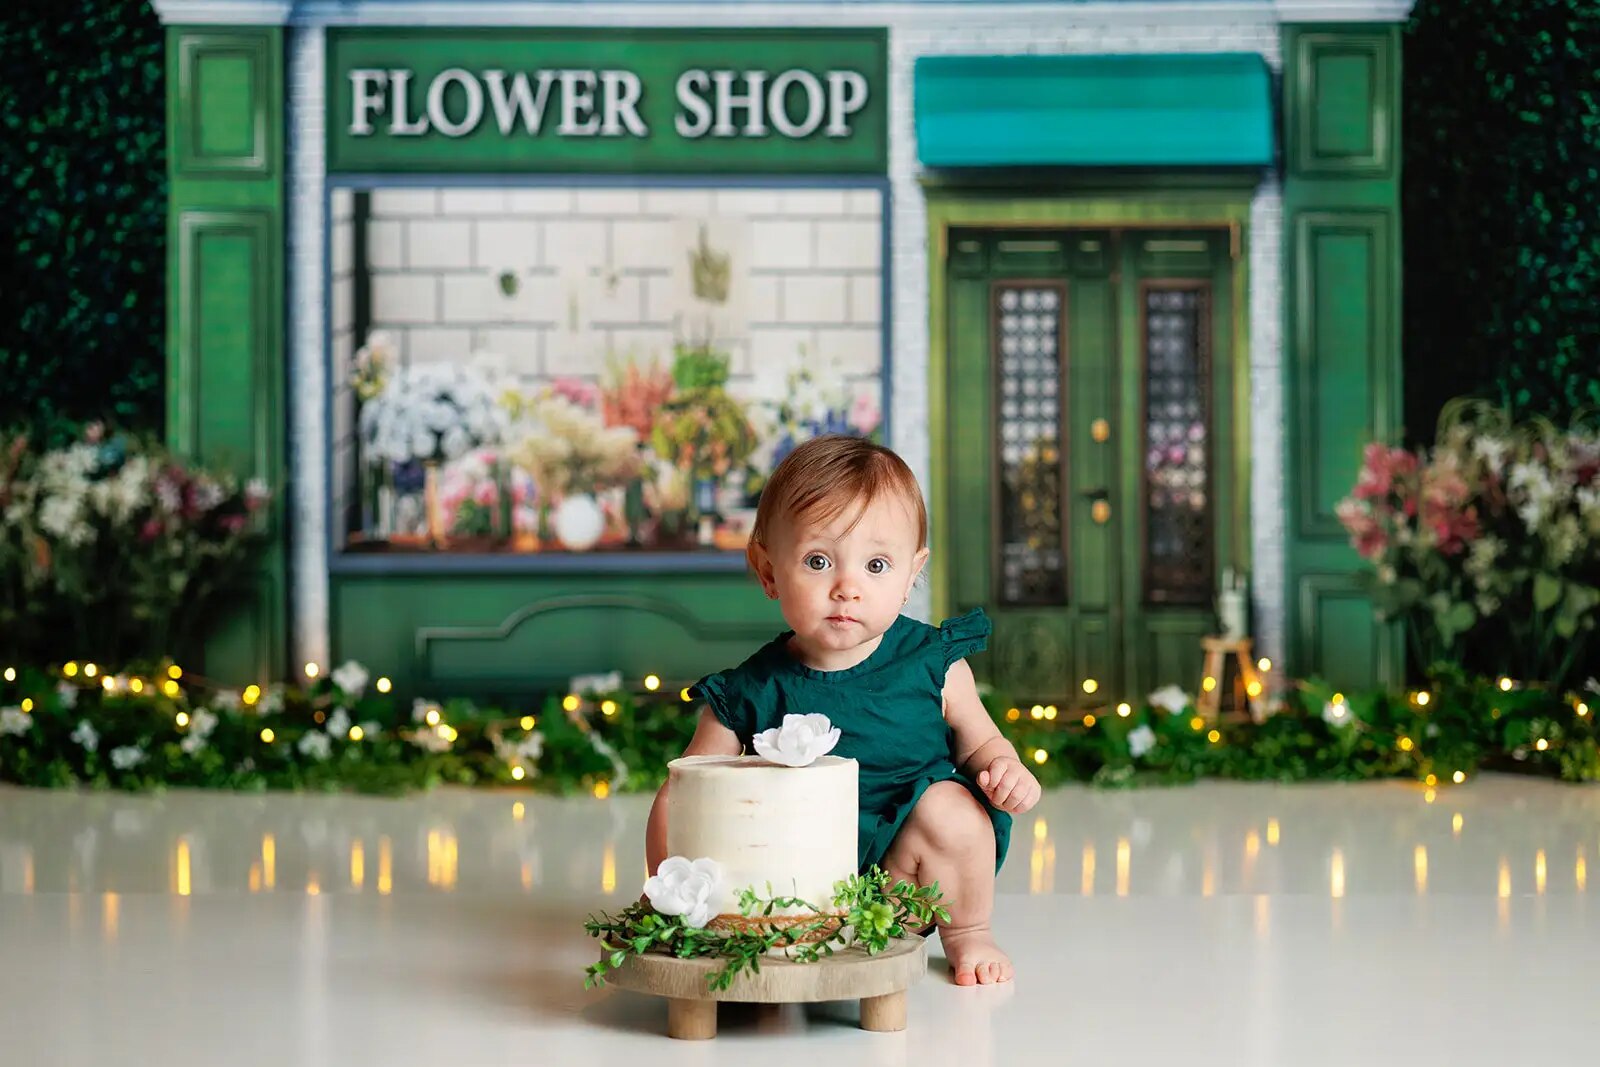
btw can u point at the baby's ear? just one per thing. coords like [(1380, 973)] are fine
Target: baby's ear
[(756, 554)]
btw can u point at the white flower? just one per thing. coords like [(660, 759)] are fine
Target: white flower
[(127, 757), (201, 723), (271, 701), (352, 678), (430, 740), (530, 748), (370, 731), (799, 741), (420, 709), (1336, 714), (683, 888), (316, 744), (14, 721), (1141, 740), (338, 724), (68, 694), (192, 743), (228, 700), (1492, 450), (1171, 698), (85, 735)]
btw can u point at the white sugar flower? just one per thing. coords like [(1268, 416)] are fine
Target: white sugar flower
[(352, 678), (315, 744), (127, 757), (14, 721), (1141, 740), (1171, 698), (1336, 714), (799, 741), (86, 736), (683, 888)]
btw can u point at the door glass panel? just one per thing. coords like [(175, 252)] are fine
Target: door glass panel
[(1178, 549), (1029, 492)]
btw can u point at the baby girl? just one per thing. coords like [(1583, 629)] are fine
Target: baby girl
[(839, 539)]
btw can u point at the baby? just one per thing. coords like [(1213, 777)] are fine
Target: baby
[(839, 539)]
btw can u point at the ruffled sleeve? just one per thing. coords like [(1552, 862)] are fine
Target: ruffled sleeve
[(720, 694), (963, 635)]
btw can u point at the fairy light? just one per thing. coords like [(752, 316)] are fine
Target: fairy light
[(90, 670), (1040, 755), (1037, 711), (683, 695), (1264, 664), (1254, 689), (1013, 714), (433, 717), (1459, 777), (527, 722), (1209, 683), (602, 790), (1542, 744), (11, 674), (1505, 684), (384, 685), (518, 774), (357, 733), (1431, 780), (1214, 736), (1422, 698), (312, 670), (252, 694), (108, 683), (1406, 744), (27, 705), (652, 682), (1197, 724), (1089, 720), (137, 685), (446, 731), (171, 688), (1124, 710), (570, 702), (608, 708), (70, 670), (183, 719), (1090, 685), (174, 672), (1338, 698), (1583, 709), (267, 735), (1050, 712)]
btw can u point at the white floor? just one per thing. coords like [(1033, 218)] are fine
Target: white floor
[(1221, 924)]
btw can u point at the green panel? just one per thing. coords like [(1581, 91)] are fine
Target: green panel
[(225, 357), (1032, 656), (830, 127), (223, 102), (1124, 110), (1342, 98), (1170, 652), (1342, 359), (526, 634)]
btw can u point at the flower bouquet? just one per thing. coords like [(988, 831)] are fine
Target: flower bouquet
[(572, 456)]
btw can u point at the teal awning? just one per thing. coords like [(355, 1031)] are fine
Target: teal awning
[(1094, 111)]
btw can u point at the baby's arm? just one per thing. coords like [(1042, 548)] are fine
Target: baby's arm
[(979, 751), (711, 738)]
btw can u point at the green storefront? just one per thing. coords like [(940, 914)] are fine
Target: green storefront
[(522, 309)]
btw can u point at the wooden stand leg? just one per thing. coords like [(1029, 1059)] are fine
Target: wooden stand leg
[(884, 1013), (1209, 702), (691, 1020)]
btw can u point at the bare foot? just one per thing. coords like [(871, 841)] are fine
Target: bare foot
[(974, 957)]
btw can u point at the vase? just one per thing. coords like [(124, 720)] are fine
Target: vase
[(433, 508), (579, 522)]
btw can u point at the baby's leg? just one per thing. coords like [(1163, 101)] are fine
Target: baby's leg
[(949, 839)]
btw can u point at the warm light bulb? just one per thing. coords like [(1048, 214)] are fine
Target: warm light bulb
[(1040, 755), (1431, 780), (1208, 683), (1089, 720), (108, 683), (384, 685), (11, 674), (174, 672), (1406, 744), (1013, 715), (609, 707), (518, 774), (357, 733), (683, 695), (267, 735), (183, 718), (652, 682), (527, 722), (70, 670), (1214, 736), (1423, 698), (602, 789), (1254, 689), (1090, 685), (252, 694), (1541, 744), (1264, 664), (570, 702), (27, 704), (1037, 711), (1197, 723), (312, 670), (1505, 685), (1050, 712), (137, 685), (171, 688), (1338, 698), (1583, 709), (1124, 710), (433, 716), (1459, 777)]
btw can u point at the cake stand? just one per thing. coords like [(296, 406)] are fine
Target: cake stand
[(879, 982)]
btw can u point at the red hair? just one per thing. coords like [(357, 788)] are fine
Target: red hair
[(826, 476)]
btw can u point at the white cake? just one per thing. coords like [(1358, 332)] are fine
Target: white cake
[(794, 827)]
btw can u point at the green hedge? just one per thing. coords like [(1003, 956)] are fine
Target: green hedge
[(1501, 194), (83, 190)]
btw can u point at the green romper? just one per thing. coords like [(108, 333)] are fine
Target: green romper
[(889, 709)]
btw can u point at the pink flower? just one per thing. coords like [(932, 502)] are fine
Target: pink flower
[(233, 523), (865, 414), (1367, 535), (151, 530), (584, 394), (94, 433)]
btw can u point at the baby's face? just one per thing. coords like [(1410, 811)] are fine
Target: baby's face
[(842, 583)]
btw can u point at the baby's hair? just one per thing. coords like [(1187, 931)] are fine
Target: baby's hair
[(822, 478)]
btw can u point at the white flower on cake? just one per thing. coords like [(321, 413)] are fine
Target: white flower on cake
[(798, 742), (680, 887)]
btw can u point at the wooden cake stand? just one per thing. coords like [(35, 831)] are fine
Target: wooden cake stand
[(879, 982)]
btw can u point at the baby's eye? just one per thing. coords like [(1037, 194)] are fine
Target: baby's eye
[(878, 566), (816, 562)]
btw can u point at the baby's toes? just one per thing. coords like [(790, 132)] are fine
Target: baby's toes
[(989, 973), (967, 974)]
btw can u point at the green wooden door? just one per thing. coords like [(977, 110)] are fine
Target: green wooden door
[(1091, 394)]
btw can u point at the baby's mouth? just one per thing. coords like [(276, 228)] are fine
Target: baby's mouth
[(841, 618)]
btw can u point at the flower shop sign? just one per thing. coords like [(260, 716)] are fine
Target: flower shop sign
[(634, 101)]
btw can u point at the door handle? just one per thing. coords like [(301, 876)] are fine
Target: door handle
[(1100, 506)]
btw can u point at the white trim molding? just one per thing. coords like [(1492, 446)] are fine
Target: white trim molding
[(223, 12), (1343, 10)]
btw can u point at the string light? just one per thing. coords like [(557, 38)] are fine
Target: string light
[(570, 702), (1013, 715), (357, 733), (1124, 710), (70, 670), (1209, 683), (1090, 685), (1338, 698), (652, 682), (90, 670), (252, 694), (1541, 744), (1089, 720), (1037, 711), (108, 683), (171, 688), (1406, 744), (1431, 780), (608, 708), (1459, 777), (433, 717), (683, 695), (137, 685), (1422, 698), (1505, 684), (384, 685), (1197, 724), (1254, 689), (1583, 709), (602, 790), (1264, 664), (1214, 736), (1050, 712), (174, 672), (183, 719), (267, 735), (27, 704), (528, 722), (517, 774), (446, 731), (312, 670), (1040, 755), (11, 674)]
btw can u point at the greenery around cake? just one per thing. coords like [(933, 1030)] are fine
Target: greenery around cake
[(874, 911)]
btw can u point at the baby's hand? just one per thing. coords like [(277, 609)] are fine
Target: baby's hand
[(1009, 785)]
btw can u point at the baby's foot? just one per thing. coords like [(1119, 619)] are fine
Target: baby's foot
[(974, 957)]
